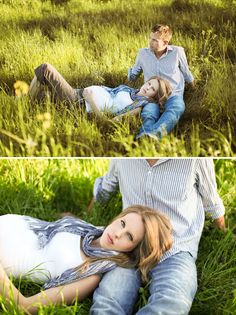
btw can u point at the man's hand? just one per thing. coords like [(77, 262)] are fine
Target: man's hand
[(220, 223), (192, 85)]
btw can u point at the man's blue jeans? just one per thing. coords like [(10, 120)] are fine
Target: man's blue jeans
[(172, 289), (153, 122)]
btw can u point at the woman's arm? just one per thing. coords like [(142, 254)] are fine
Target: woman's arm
[(7, 288), (66, 294), (131, 112), (59, 295), (89, 97)]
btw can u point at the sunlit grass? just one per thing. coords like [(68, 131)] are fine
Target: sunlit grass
[(94, 42)]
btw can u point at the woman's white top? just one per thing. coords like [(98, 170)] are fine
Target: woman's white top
[(20, 253), (108, 103)]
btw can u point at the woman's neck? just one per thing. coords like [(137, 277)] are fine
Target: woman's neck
[(95, 242), (140, 93)]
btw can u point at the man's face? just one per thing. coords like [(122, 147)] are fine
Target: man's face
[(156, 44)]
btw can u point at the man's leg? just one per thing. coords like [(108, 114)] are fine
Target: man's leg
[(117, 293), (173, 286), (174, 108), (47, 75), (149, 115)]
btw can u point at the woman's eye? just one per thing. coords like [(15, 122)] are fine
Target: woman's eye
[(130, 237), (122, 223)]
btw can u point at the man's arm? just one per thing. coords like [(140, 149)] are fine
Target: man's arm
[(184, 68), (207, 187), (136, 70), (104, 186)]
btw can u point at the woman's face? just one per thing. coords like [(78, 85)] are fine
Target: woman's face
[(123, 234), (149, 88)]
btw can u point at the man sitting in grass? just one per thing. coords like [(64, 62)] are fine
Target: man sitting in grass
[(182, 189), (168, 62)]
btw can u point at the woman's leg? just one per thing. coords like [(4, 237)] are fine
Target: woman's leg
[(47, 75), (37, 90)]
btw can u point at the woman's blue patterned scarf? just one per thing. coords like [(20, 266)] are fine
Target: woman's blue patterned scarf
[(138, 100), (47, 230)]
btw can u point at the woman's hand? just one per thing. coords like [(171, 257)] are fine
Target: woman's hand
[(88, 94), (89, 97), (9, 291)]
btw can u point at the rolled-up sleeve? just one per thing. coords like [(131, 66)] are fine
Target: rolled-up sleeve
[(136, 70), (104, 186), (207, 187), (183, 65)]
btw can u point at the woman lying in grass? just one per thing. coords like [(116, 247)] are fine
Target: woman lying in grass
[(99, 99), (70, 255)]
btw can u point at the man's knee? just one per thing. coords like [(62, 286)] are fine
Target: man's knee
[(176, 304), (175, 297), (113, 282), (113, 295), (150, 112), (175, 106)]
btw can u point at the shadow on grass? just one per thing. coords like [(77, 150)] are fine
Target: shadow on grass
[(29, 200), (194, 19), (220, 18)]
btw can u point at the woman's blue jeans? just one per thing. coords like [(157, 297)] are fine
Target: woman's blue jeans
[(153, 122), (172, 289)]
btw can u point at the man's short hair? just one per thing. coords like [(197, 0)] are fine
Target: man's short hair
[(164, 31)]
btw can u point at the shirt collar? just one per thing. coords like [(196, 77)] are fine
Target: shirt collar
[(160, 161), (169, 49)]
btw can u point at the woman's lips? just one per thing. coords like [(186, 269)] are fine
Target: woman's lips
[(110, 240)]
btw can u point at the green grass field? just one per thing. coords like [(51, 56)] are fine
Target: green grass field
[(95, 42), (46, 188)]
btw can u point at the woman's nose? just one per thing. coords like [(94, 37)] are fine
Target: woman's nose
[(118, 234)]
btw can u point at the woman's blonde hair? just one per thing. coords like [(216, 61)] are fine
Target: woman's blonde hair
[(164, 90), (157, 240)]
